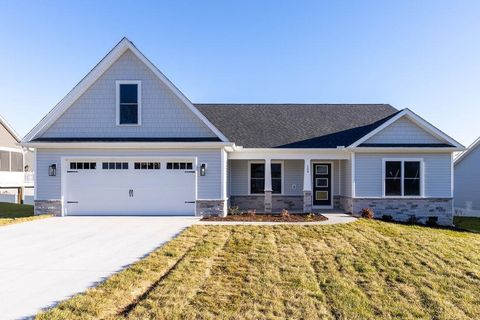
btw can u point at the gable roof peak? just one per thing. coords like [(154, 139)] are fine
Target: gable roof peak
[(117, 51)]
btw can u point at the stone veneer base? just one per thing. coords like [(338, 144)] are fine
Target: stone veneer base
[(403, 209), (208, 208), (48, 207), (257, 202)]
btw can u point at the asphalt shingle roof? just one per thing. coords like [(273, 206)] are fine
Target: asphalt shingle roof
[(296, 125)]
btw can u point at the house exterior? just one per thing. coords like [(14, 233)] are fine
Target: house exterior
[(467, 181), (126, 141), (16, 165)]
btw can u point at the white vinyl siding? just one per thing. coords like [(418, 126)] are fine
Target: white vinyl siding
[(49, 188), (467, 181), (403, 131), (369, 173), (94, 114)]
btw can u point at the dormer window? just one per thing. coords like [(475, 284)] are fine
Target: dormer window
[(129, 102)]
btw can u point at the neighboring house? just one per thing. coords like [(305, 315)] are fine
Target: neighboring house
[(467, 181), (15, 165), (126, 141)]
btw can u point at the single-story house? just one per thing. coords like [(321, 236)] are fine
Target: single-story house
[(16, 166), (467, 181), (126, 141)]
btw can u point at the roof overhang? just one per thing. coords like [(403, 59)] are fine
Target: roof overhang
[(467, 151), (96, 73), (127, 145), (10, 129), (417, 120), (405, 150)]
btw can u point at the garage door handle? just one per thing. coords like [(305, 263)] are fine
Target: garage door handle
[(72, 201), (189, 201), (130, 193), (189, 171), (69, 171)]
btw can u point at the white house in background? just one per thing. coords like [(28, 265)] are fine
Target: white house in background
[(467, 181), (16, 172), (126, 141)]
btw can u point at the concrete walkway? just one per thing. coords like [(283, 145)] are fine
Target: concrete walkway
[(333, 218), (46, 261)]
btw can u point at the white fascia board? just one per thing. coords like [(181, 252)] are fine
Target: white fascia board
[(127, 145), (10, 129), (96, 73), (418, 121), (257, 154), (404, 150), (467, 151)]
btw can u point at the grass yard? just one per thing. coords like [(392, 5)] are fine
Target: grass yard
[(467, 223), (363, 270), (15, 213)]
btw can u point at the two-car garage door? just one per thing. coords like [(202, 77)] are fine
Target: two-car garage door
[(130, 187)]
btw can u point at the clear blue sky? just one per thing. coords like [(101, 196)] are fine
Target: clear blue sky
[(424, 55)]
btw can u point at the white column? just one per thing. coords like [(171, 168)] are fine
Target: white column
[(307, 178), (268, 175), (268, 186), (307, 187)]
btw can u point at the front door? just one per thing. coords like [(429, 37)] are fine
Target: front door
[(322, 186)]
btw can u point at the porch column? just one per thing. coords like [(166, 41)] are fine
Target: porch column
[(268, 186), (307, 187)]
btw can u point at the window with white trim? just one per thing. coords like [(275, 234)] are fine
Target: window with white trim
[(257, 178), (128, 102), (402, 178)]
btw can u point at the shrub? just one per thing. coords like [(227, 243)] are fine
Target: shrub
[(432, 221), (366, 213), (310, 216), (284, 213), (387, 218), (252, 212), (413, 219), (234, 211)]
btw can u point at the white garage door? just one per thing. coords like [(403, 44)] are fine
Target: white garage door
[(126, 187)]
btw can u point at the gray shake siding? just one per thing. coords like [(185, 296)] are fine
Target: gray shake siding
[(94, 113), (403, 131), (467, 181), (209, 186), (369, 175)]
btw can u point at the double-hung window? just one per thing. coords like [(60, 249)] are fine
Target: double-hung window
[(129, 104), (257, 178), (403, 178)]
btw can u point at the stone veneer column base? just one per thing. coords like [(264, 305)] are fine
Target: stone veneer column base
[(48, 207), (268, 202), (208, 208), (307, 201), (403, 209)]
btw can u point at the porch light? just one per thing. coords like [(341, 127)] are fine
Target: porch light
[(203, 169), (52, 170)]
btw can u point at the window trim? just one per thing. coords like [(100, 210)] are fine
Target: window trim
[(139, 102), (281, 162), (402, 161)]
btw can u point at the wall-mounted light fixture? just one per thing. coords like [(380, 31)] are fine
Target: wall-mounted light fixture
[(203, 169), (52, 170)]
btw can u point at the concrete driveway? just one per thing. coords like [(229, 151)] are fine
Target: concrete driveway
[(43, 262)]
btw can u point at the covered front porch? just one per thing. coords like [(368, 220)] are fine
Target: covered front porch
[(299, 183)]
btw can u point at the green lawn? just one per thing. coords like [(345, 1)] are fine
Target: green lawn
[(15, 213), (363, 270), (467, 223)]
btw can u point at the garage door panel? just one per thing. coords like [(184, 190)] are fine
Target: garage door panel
[(130, 192)]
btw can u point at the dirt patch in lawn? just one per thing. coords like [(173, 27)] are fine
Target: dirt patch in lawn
[(269, 218)]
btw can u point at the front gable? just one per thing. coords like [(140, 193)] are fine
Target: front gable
[(89, 111), (404, 131), (162, 113)]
